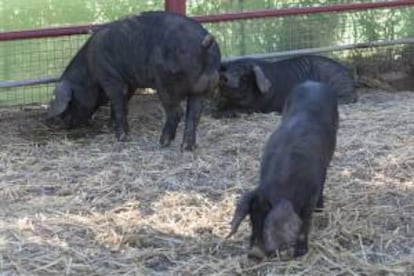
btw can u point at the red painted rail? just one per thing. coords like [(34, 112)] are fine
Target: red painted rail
[(86, 29), (48, 32), (303, 11), (178, 6)]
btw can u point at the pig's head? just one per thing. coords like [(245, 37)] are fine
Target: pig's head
[(191, 63), (242, 83), (275, 225), (72, 106)]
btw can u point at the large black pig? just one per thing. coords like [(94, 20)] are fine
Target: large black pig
[(168, 52), (256, 85), (292, 174)]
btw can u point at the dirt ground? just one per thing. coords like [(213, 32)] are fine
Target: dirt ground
[(80, 203)]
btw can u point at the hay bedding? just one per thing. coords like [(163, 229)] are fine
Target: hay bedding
[(79, 203)]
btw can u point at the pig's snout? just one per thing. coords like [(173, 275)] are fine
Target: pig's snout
[(256, 253)]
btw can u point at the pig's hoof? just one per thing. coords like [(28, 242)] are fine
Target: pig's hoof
[(300, 250), (319, 205), (188, 147), (164, 142), (122, 137), (166, 138), (256, 253)]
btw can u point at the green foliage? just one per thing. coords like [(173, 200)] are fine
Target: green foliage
[(407, 17), (32, 14)]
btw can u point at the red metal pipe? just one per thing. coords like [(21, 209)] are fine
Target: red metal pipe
[(302, 11), (177, 6), (49, 32), (86, 29)]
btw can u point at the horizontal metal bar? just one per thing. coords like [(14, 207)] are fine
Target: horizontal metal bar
[(11, 84), (325, 49), (302, 11), (87, 29), (48, 32), (19, 83)]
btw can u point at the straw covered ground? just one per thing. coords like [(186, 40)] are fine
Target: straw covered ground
[(80, 203)]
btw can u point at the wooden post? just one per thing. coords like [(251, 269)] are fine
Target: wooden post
[(177, 6)]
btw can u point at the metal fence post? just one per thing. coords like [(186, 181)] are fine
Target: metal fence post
[(177, 6)]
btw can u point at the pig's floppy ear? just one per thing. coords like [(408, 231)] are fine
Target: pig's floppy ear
[(63, 95), (242, 209), (262, 82), (281, 226), (208, 40)]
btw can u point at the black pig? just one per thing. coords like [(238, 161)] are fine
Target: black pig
[(255, 85), (292, 174), (168, 52)]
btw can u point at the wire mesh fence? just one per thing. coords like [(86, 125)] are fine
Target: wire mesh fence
[(44, 58), (311, 31), (34, 59), (201, 7)]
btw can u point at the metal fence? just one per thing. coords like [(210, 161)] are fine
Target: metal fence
[(296, 26), (26, 61)]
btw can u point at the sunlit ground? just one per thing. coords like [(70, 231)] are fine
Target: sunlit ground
[(79, 203)]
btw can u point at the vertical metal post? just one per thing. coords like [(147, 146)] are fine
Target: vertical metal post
[(177, 6)]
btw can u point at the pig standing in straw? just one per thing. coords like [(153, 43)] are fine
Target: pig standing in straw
[(293, 172), (168, 52)]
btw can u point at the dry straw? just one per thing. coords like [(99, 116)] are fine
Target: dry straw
[(79, 203)]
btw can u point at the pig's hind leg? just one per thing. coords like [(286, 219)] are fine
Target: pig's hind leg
[(173, 112), (117, 94), (192, 118)]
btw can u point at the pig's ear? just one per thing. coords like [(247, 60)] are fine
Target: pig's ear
[(242, 209), (63, 95), (207, 41), (281, 226), (262, 82)]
